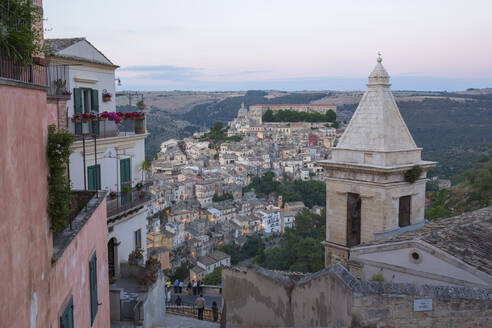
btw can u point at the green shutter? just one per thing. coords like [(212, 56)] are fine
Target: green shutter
[(125, 171), (77, 107), (95, 100), (94, 177), (66, 318), (93, 286), (77, 100)]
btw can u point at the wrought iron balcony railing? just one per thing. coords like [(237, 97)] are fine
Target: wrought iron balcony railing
[(33, 74), (105, 128), (118, 203)]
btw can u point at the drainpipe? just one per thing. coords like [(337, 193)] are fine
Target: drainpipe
[(95, 163), (83, 153)]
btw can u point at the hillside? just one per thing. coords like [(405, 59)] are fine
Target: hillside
[(475, 191), (453, 128)]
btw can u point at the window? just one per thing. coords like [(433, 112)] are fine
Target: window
[(354, 205), (93, 286), (138, 238), (86, 100), (125, 180), (404, 211), (66, 318), (94, 177)]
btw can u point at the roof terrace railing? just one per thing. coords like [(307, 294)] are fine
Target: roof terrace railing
[(33, 74)]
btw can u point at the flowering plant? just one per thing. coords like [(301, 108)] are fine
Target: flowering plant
[(114, 117)]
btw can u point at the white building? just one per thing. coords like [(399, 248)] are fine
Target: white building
[(106, 155), (270, 221)]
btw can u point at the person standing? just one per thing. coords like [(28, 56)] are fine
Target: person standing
[(215, 311), (200, 304), (181, 287), (194, 287), (201, 287), (189, 287), (169, 296), (176, 286)]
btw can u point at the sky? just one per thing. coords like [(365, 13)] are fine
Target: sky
[(283, 44)]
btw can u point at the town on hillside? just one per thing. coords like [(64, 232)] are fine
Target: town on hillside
[(287, 215)]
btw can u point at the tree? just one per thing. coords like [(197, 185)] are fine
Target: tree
[(268, 116), (331, 116), (214, 278)]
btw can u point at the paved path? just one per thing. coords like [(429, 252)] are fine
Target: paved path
[(179, 321)]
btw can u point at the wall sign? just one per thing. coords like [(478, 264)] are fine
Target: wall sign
[(424, 304)]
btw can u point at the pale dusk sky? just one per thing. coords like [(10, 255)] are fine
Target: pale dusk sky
[(283, 44)]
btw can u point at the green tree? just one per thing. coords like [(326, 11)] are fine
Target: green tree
[(214, 278)]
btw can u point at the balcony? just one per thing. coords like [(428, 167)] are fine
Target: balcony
[(120, 203), (32, 74), (56, 78), (105, 128), (83, 206)]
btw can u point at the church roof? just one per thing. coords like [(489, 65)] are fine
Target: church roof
[(377, 124)]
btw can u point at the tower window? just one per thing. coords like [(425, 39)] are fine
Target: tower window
[(354, 205), (404, 211)]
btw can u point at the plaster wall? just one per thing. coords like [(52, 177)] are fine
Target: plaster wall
[(248, 293), (124, 230), (24, 228), (70, 274), (101, 78), (109, 154), (155, 304)]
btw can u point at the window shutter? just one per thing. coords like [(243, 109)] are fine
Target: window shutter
[(66, 318), (77, 100), (95, 100)]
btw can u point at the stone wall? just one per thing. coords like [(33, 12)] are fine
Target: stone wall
[(332, 297), (154, 306)]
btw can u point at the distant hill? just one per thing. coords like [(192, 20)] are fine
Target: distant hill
[(226, 110), (454, 129)]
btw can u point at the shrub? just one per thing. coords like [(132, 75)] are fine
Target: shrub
[(58, 153), (413, 174), (378, 277)]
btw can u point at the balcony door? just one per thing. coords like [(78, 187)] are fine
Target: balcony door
[(86, 100), (125, 181)]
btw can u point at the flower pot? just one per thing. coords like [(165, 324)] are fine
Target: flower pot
[(106, 98), (139, 127), (85, 120), (76, 120)]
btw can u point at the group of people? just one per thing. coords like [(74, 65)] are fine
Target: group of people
[(194, 288)]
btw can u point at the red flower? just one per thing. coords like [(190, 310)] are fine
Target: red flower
[(85, 115), (104, 114)]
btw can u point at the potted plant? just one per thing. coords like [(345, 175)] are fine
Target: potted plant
[(136, 257), (93, 116), (104, 116), (77, 118), (126, 189), (106, 96), (129, 116), (85, 117), (59, 85), (65, 92), (139, 186), (113, 195), (141, 104)]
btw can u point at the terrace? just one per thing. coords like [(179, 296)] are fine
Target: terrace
[(19, 74), (102, 127), (83, 205), (123, 203)]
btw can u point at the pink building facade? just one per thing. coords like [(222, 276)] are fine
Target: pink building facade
[(41, 272)]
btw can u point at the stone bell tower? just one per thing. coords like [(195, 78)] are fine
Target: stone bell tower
[(367, 194)]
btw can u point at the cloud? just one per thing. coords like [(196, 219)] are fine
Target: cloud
[(165, 73), (161, 78)]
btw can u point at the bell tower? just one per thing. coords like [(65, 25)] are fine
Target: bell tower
[(375, 180)]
